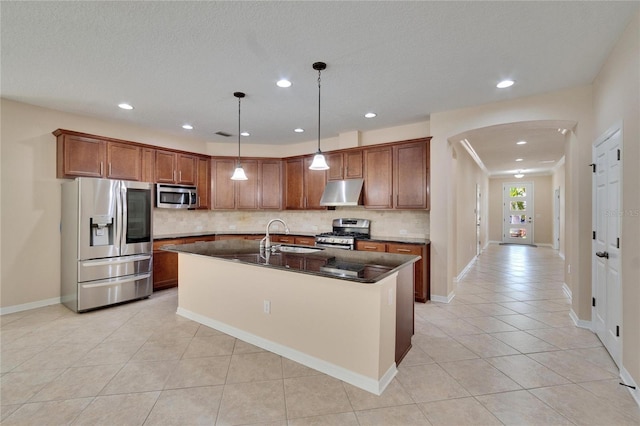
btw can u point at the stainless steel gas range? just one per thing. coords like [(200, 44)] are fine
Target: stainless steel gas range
[(345, 233)]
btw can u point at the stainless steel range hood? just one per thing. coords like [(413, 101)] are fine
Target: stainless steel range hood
[(342, 192)]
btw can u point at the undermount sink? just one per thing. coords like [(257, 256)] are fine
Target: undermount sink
[(298, 249)]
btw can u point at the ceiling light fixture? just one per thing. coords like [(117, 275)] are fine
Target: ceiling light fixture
[(319, 162), (370, 115), (299, 130), (238, 173), (125, 106), (504, 84), (187, 126), (519, 175), (245, 134), (283, 83), (521, 142), (519, 159)]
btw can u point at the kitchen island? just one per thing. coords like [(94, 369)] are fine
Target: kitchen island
[(345, 313)]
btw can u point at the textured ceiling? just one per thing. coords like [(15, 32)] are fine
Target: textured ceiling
[(180, 62)]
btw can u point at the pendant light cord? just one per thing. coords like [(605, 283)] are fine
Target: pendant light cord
[(319, 72), (239, 100)]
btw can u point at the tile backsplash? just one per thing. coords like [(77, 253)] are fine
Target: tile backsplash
[(384, 223)]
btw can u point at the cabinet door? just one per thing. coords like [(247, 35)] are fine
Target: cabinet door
[(270, 184), (314, 183), (353, 164), (420, 279), (165, 265), (378, 178), (410, 175), (223, 193), (186, 170), (294, 186), (124, 161), (81, 157), (148, 165), (204, 183), (247, 190), (336, 166), (165, 166)]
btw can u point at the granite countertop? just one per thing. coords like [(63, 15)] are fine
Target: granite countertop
[(363, 267), (405, 240)]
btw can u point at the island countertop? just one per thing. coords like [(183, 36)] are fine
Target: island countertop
[(358, 266)]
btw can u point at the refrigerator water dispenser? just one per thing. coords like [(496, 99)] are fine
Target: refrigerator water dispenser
[(101, 230)]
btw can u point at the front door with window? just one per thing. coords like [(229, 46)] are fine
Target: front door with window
[(517, 213)]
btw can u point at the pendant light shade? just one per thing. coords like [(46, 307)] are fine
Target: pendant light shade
[(238, 173), (319, 162)]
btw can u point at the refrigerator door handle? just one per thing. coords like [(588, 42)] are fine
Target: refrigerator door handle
[(115, 281), (127, 259), (122, 200)]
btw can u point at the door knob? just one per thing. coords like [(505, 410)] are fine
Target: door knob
[(602, 254)]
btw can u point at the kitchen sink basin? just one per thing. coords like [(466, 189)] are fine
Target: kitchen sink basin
[(298, 249)]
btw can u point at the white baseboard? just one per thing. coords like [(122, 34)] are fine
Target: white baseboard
[(567, 291), (466, 269), (578, 322), (27, 306), (363, 382), (443, 299), (628, 380)]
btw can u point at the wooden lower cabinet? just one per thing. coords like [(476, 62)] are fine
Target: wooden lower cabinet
[(165, 263), (422, 291)]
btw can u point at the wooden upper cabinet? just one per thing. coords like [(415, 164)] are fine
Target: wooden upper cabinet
[(165, 166), (186, 172), (203, 182), (79, 156), (410, 177), (228, 194), (270, 184), (344, 165), (314, 184), (223, 188), (378, 172), (148, 165), (294, 184), (124, 161), (247, 190)]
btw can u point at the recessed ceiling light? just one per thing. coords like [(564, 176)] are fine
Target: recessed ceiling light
[(518, 175), (298, 130), (504, 84), (521, 142), (245, 134), (283, 83), (519, 159), (547, 161), (187, 126), (125, 106), (370, 115)]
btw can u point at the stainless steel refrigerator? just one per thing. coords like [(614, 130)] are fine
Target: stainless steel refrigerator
[(106, 242)]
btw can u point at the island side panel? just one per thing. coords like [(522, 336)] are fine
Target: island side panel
[(348, 324)]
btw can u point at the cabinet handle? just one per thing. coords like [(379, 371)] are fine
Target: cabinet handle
[(390, 200), (370, 247), (109, 169), (174, 175), (180, 175), (101, 168), (404, 250)]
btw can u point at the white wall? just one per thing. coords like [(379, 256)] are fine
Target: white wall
[(558, 182), (616, 93)]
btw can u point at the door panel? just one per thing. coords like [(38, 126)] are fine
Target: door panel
[(518, 213)]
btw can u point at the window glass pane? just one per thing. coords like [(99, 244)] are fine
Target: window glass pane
[(518, 206), (516, 219), (517, 191), (518, 233)]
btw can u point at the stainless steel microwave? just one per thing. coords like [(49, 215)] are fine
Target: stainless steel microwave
[(176, 196)]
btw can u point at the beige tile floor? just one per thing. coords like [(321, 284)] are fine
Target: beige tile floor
[(504, 351)]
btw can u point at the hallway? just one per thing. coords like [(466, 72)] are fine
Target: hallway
[(504, 351)]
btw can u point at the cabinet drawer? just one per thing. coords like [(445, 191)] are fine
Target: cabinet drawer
[(305, 241), (202, 239), (371, 246), (405, 249), (283, 239)]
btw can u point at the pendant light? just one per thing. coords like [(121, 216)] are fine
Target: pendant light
[(319, 162), (238, 173)]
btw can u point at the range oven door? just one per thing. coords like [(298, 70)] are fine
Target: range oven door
[(335, 246)]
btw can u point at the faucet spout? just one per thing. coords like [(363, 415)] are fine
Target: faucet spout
[(265, 243)]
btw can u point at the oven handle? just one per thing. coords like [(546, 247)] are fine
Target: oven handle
[(334, 246)]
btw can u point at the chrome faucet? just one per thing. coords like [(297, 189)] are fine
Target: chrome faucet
[(265, 243)]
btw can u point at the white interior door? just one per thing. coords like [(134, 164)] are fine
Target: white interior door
[(518, 213), (556, 217), (607, 293), (478, 241)]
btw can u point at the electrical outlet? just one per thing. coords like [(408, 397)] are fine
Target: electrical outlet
[(232, 227), (403, 232), (267, 306)]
